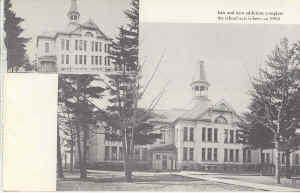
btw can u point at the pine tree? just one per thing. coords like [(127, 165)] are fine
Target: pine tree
[(14, 43), (75, 94), (125, 115), (277, 93)]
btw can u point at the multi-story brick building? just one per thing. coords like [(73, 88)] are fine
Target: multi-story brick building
[(79, 48)]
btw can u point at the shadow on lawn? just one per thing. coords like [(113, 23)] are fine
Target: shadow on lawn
[(136, 179)]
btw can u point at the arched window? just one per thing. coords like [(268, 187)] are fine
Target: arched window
[(88, 34), (221, 120)]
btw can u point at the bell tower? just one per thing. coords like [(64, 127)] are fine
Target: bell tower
[(200, 84), (73, 13)]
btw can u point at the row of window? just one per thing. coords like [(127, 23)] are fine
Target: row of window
[(116, 153), (211, 154), (82, 59), (210, 135)]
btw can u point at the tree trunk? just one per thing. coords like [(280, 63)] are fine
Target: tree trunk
[(277, 159), (261, 161), (126, 163), (288, 169), (79, 150), (60, 173), (83, 172), (72, 154)]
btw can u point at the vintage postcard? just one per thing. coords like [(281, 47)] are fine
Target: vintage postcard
[(140, 95)]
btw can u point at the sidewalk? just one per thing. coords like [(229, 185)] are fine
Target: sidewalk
[(258, 182)]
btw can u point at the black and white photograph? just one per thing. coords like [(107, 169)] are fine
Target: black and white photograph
[(205, 107), (62, 36)]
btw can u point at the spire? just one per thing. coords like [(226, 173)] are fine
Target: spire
[(199, 83), (73, 13), (200, 75)]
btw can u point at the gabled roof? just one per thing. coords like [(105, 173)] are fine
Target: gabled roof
[(72, 28)]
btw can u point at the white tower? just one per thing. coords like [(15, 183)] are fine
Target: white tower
[(200, 86), (73, 13)]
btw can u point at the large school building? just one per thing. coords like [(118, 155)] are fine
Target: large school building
[(202, 137), (78, 48)]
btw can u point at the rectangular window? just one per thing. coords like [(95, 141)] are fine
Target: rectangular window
[(84, 45), (237, 153), (231, 155), (203, 134), (237, 138), (76, 59), (76, 44), (185, 134), (80, 45), (114, 153), (215, 135), (209, 134), (191, 154), (268, 158), (92, 59), (209, 154), (96, 60), (100, 47), (62, 44), (249, 155), (62, 59), (96, 46), (263, 158), (47, 48), (226, 136), (100, 60), (67, 44), (203, 154), (144, 155), (225, 155), (137, 154), (244, 155), (93, 45), (120, 153), (231, 136), (84, 59), (283, 158), (297, 159), (80, 59), (215, 154), (191, 134), (185, 153), (67, 59), (106, 154), (157, 156)]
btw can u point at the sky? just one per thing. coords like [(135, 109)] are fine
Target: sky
[(51, 15), (231, 52)]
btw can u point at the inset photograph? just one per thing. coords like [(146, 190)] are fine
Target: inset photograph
[(64, 36)]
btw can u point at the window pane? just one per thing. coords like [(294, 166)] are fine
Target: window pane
[(231, 136), (191, 134), (191, 154), (209, 154), (185, 153), (209, 134), (114, 153), (120, 153), (231, 155), (203, 154), (215, 135), (185, 133), (215, 154), (203, 134), (226, 136), (237, 155), (225, 155)]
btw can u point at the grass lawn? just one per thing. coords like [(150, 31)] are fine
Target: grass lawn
[(114, 181)]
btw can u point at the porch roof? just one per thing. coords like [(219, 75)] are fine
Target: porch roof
[(169, 147)]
